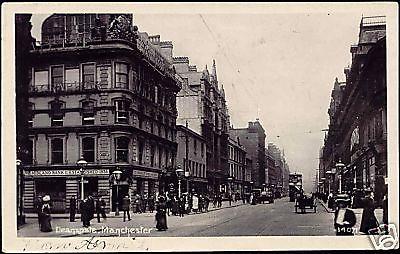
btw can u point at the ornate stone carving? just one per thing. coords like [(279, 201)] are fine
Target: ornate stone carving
[(121, 28)]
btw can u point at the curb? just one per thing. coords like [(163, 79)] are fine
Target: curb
[(326, 208), (109, 215)]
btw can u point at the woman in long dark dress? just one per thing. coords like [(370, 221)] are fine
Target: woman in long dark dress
[(368, 220), (44, 215), (161, 216)]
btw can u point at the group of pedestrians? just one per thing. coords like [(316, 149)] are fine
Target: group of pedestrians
[(88, 208)]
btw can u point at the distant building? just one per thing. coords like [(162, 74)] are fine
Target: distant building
[(237, 164), (201, 103), (99, 89), (191, 157), (357, 134), (253, 139)]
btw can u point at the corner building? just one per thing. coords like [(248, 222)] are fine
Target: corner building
[(102, 91)]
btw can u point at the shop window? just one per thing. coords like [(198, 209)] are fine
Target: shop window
[(56, 114), (88, 76), (121, 75), (57, 151), (56, 189), (121, 111), (88, 113), (88, 149), (57, 76), (121, 149)]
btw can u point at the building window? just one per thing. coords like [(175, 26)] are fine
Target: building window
[(88, 113), (88, 149), (30, 151), (31, 115), (160, 153), (195, 146), (41, 80), (202, 149), (121, 75), (56, 114), (141, 150), (57, 76), (57, 151), (121, 111), (152, 151), (88, 76), (121, 149)]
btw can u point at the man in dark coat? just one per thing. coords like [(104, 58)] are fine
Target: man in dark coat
[(151, 203), (100, 209), (38, 207), (72, 209), (85, 207), (161, 216), (368, 220), (345, 219), (126, 202)]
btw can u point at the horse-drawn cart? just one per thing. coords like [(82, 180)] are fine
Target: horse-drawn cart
[(304, 202)]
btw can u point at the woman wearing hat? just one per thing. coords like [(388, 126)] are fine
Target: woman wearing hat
[(44, 215), (368, 220), (161, 216)]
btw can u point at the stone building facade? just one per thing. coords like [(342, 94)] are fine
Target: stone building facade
[(253, 140), (357, 132), (102, 91), (191, 157), (201, 103), (237, 164)]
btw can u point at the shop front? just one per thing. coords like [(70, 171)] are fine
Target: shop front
[(63, 184)]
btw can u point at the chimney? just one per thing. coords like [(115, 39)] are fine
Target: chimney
[(166, 50)]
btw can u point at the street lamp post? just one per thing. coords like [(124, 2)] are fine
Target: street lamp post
[(263, 186), (179, 173), (187, 175), (339, 166), (117, 176), (230, 189), (82, 163)]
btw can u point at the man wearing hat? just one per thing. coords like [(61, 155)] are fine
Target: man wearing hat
[(368, 220), (345, 219)]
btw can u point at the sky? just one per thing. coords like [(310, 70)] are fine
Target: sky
[(278, 67)]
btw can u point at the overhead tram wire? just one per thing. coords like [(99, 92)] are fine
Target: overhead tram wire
[(254, 100)]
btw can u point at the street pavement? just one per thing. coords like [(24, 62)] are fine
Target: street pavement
[(277, 219)]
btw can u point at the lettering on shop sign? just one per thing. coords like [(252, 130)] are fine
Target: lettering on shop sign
[(144, 174), (65, 172)]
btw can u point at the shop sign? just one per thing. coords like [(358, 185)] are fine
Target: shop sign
[(65, 172), (145, 174)]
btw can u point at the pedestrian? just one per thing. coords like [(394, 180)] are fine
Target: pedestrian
[(181, 204), (206, 202), (38, 207), (45, 215), (214, 200), (126, 203), (91, 205), (136, 203), (230, 199), (345, 219), (72, 208), (330, 201), (85, 212), (100, 209), (161, 217), (168, 203), (143, 201), (195, 201), (368, 220), (174, 205), (201, 203), (151, 203)]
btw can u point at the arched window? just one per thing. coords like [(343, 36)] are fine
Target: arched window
[(121, 149)]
